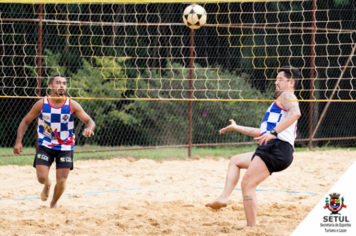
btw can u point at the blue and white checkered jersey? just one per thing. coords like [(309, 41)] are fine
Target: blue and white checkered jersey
[(273, 116), (56, 126)]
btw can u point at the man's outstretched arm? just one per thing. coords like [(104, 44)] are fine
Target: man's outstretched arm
[(253, 132)]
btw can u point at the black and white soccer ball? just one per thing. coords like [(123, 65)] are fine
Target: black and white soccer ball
[(194, 16)]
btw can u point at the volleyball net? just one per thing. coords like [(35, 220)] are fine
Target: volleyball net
[(148, 80)]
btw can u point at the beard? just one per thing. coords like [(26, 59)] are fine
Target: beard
[(60, 92)]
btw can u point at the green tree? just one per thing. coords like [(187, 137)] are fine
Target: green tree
[(149, 122), (167, 121)]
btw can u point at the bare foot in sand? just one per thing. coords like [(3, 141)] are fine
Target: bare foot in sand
[(53, 205), (218, 203), (45, 191)]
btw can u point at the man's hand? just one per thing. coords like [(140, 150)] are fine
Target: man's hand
[(265, 138), (231, 127), (18, 149), (88, 132), (83, 116)]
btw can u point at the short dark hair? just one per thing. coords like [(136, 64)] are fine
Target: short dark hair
[(54, 76), (291, 72)]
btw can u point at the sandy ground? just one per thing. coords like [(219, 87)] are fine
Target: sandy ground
[(164, 198)]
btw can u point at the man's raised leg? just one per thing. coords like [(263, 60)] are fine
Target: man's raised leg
[(42, 177), (255, 174), (236, 163), (61, 175)]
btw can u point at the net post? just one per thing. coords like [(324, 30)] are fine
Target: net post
[(191, 64), (39, 51), (39, 58), (312, 65)]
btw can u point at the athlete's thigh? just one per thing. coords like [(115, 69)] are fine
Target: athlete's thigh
[(242, 160), (256, 172), (62, 173), (43, 161), (42, 171), (64, 160), (64, 163)]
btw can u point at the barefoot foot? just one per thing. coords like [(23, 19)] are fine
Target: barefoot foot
[(45, 191), (217, 204), (53, 205)]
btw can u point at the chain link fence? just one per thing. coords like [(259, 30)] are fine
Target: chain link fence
[(148, 81)]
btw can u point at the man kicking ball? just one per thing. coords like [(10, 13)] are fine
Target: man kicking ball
[(276, 137)]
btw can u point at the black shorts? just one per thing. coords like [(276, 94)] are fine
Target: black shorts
[(45, 156), (276, 154)]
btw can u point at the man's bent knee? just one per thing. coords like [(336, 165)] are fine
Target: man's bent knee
[(242, 160), (41, 179), (236, 160), (61, 181), (247, 183), (239, 161)]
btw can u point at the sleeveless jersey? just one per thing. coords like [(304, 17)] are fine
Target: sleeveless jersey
[(274, 115), (56, 126)]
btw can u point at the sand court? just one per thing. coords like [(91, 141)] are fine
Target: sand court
[(127, 197)]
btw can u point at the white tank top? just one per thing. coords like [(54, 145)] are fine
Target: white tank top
[(274, 115)]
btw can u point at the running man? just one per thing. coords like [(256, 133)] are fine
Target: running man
[(276, 137), (55, 136)]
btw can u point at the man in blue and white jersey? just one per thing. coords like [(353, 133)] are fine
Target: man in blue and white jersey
[(276, 137), (55, 136)]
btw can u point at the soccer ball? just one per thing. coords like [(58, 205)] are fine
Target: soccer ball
[(194, 16)]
